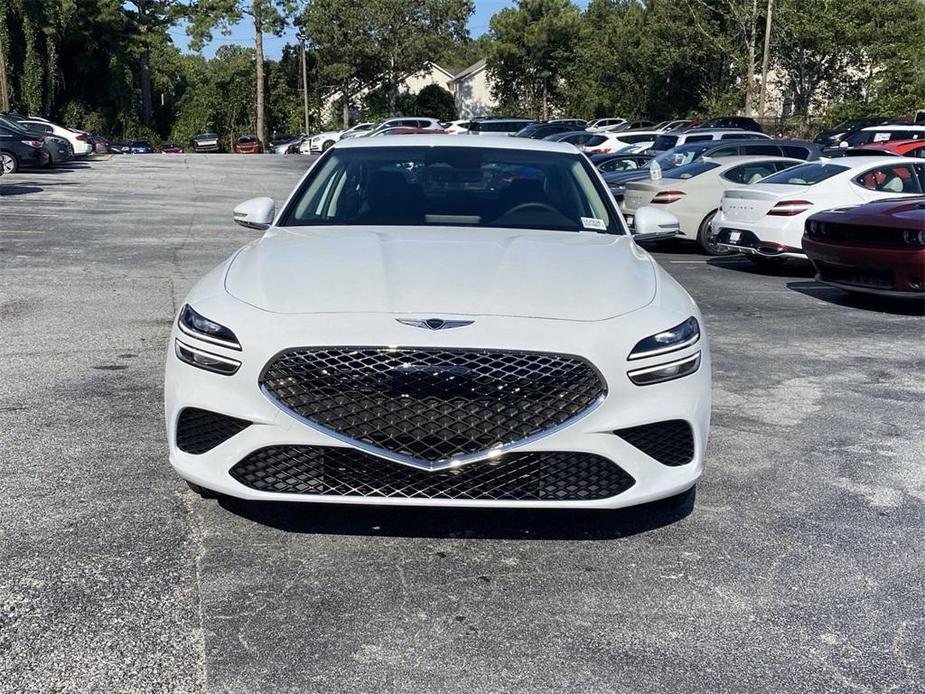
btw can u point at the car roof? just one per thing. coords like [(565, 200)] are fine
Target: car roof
[(865, 162), (745, 158), (519, 143), (895, 126)]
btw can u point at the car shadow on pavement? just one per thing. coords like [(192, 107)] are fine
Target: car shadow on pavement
[(461, 523), (876, 304), (739, 263), (7, 189)]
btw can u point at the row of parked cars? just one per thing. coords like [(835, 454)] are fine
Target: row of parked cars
[(859, 217), (30, 142)]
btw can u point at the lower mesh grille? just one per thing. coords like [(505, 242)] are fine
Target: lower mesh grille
[(332, 471), (199, 431), (670, 442)]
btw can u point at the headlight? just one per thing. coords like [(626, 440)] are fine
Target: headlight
[(914, 237), (665, 372), (202, 328), (206, 360), (678, 337)]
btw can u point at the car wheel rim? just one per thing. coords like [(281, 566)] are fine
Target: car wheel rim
[(7, 162)]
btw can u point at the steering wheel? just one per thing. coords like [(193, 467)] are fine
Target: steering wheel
[(526, 205)]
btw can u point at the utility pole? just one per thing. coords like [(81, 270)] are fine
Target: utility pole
[(4, 95), (302, 39), (764, 60)]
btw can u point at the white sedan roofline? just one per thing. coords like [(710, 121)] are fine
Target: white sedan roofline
[(422, 140)]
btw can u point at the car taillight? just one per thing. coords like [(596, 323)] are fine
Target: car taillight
[(82, 137), (600, 150), (667, 196), (33, 143), (789, 208)]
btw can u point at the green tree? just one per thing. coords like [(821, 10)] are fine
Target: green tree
[(532, 45), (268, 16), (367, 44), (411, 34), (436, 102)]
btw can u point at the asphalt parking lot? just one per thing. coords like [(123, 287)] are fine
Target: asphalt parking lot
[(799, 569)]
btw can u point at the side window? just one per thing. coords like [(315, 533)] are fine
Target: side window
[(732, 136), (729, 151), (891, 179), (698, 138), (781, 165), (796, 152), (764, 150)]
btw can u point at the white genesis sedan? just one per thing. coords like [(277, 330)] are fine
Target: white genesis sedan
[(442, 321)]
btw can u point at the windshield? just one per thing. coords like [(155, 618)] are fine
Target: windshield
[(453, 186), (677, 157), (865, 136), (805, 174)]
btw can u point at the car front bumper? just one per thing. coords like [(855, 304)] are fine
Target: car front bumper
[(272, 426), (882, 271)]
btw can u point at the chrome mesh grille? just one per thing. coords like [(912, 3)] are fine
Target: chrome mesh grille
[(328, 471), (432, 404)]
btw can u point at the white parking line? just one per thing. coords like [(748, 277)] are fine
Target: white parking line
[(20, 231)]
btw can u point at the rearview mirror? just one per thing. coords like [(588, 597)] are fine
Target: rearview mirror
[(256, 213), (653, 224)]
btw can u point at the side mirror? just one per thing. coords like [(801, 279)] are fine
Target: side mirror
[(256, 213), (653, 224)]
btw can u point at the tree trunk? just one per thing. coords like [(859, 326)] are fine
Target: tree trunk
[(545, 100), (258, 45), (346, 107), (393, 88), (4, 94), (750, 68), (765, 58), (146, 108)]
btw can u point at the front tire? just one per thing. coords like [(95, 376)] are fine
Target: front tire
[(707, 241), (327, 145), (765, 263), (9, 163)]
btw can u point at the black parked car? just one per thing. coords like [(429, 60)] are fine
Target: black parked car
[(59, 150), (539, 131), (833, 136), (205, 142), (733, 122), (20, 150)]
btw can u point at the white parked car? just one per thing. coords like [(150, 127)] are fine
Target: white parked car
[(405, 122), (602, 123), (79, 141), (695, 190), (627, 141), (766, 220), (321, 142), (454, 321), (357, 130), (458, 127)]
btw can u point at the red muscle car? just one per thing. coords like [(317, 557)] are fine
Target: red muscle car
[(877, 248)]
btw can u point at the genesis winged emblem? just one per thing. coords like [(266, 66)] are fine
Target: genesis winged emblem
[(434, 323)]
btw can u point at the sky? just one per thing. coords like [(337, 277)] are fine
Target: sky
[(273, 46)]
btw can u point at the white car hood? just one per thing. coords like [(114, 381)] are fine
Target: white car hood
[(440, 271)]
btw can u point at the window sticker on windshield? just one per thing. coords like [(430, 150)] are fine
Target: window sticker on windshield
[(593, 223), (881, 137)]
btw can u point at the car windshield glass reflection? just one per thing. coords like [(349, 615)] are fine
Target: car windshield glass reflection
[(452, 186)]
